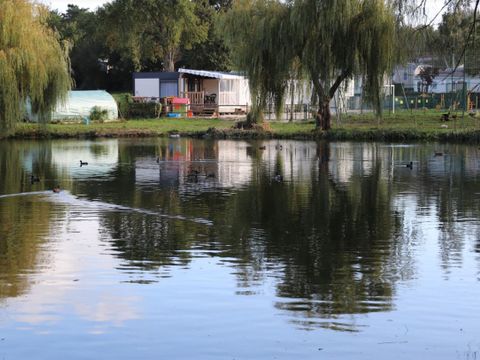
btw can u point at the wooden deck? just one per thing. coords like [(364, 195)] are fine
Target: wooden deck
[(195, 97), (203, 105)]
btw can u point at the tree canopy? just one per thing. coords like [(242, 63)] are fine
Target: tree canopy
[(33, 63), (149, 30), (79, 27), (330, 41)]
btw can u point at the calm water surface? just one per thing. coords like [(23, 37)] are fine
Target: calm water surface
[(206, 254)]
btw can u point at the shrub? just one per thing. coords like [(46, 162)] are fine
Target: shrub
[(128, 109), (123, 101), (143, 110), (98, 114)]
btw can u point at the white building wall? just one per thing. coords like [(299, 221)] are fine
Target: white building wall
[(147, 87)]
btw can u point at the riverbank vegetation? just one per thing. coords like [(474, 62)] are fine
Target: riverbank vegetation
[(401, 126)]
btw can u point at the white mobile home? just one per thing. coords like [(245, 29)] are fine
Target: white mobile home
[(209, 92), (225, 93)]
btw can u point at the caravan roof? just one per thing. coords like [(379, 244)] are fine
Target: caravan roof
[(210, 74)]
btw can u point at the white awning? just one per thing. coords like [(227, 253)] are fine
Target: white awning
[(210, 74)]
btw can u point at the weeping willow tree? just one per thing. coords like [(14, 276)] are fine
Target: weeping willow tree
[(33, 64), (258, 33), (332, 40)]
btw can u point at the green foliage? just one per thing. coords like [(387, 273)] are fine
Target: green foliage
[(33, 63), (213, 53), (98, 114), (128, 109), (152, 31), (123, 101), (79, 27), (401, 126), (328, 40), (143, 110), (151, 36), (259, 35), (452, 45)]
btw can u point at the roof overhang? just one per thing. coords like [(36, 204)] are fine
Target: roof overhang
[(210, 74)]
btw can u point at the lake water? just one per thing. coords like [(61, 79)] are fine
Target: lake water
[(196, 249)]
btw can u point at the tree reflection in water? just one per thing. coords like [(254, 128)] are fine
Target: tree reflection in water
[(336, 234)]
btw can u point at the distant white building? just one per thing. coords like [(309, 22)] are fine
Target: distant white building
[(449, 80), (446, 81), (406, 75)]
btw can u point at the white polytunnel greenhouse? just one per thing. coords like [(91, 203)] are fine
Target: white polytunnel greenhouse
[(80, 104)]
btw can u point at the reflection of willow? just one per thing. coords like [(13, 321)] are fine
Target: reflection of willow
[(447, 184), (148, 242), (332, 244), (24, 221)]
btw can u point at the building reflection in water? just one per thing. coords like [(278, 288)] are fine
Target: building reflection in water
[(336, 232)]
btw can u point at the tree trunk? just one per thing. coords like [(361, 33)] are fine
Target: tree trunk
[(169, 62), (324, 116)]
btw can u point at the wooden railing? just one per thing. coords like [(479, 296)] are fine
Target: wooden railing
[(196, 97), (199, 98)]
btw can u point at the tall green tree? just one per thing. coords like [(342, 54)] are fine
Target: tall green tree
[(212, 53), (331, 39), (80, 27), (150, 31), (457, 41), (33, 63)]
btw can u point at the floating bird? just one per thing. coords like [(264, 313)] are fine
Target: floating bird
[(34, 179), (437, 153), (409, 165), (56, 189), (158, 160), (83, 163), (278, 178), (278, 147), (262, 147)]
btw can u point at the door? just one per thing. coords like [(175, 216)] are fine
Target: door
[(168, 88)]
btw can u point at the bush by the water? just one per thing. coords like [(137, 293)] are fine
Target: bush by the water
[(143, 110), (129, 109), (98, 114)]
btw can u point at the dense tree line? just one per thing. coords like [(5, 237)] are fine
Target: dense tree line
[(323, 41), (123, 36)]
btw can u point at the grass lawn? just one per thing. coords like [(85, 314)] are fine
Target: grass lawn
[(403, 125), (428, 120), (145, 127)]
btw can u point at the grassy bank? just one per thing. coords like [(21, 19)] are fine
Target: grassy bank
[(402, 126)]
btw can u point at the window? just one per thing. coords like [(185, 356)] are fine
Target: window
[(226, 85), (193, 85)]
